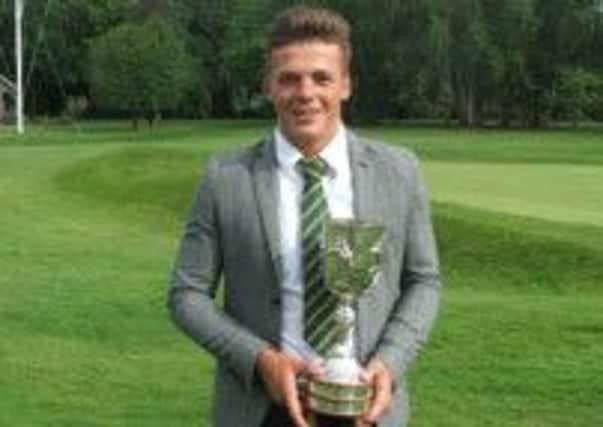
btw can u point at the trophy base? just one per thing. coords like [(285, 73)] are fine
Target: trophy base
[(338, 399)]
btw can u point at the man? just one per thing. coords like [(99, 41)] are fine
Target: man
[(245, 232)]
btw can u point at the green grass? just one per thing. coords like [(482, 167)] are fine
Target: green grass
[(581, 146), (213, 134), (558, 192), (512, 360), (91, 216)]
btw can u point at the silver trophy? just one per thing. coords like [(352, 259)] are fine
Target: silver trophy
[(353, 250)]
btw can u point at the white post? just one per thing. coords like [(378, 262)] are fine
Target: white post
[(19, 58)]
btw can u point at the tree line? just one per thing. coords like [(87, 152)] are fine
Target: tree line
[(478, 62)]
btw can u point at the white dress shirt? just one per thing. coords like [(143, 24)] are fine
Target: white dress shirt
[(337, 184)]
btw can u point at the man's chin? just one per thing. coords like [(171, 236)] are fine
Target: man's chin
[(305, 127), (302, 133), (300, 139)]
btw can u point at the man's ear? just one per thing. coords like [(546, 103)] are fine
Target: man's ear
[(347, 86)]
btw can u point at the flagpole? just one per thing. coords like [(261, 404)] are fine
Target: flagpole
[(19, 60)]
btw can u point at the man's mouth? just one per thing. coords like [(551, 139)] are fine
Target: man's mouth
[(305, 114)]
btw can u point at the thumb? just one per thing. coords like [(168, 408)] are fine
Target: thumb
[(314, 368)]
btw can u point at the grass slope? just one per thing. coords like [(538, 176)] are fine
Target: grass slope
[(90, 222)]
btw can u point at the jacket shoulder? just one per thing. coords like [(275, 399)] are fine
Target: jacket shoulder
[(240, 156), (391, 156)]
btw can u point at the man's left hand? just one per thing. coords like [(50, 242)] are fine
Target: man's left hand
[(378, 376)]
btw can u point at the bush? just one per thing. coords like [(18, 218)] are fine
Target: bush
[(580, 94)]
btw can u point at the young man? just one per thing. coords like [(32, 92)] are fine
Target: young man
[(246, 227)]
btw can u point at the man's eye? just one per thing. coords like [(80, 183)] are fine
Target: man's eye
[(322, 78), (287, 79)]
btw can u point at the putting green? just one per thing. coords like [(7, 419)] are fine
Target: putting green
[(568, 193)]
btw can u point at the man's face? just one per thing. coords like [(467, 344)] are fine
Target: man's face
[(307, 82)]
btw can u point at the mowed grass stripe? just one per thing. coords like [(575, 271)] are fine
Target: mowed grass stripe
[(564, 193)]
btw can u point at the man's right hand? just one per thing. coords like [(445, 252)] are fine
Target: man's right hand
[(279, 371)]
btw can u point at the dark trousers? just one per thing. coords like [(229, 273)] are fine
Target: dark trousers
[(277, 417)]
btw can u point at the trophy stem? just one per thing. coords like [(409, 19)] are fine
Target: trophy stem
[(341, 365)]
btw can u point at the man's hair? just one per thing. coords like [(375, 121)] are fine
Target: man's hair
[(305, 23)]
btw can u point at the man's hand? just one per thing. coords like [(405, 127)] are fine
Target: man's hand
[(377, 375), (279, 372)]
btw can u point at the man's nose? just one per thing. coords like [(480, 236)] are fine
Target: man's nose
[(305, 88)]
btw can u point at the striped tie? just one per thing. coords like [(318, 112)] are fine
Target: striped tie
[(319, 303)]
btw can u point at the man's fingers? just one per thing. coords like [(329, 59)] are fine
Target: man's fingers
[(381, 399), (313, 369), (378, 376), (296, 363), (278, 369), (292, 402), (295, 412), (280, 372), (366, 376)]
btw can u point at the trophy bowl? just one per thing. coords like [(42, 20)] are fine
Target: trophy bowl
[(352, 261)]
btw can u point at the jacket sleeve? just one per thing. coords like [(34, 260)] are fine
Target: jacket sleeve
[(194, 282), (413, 315)]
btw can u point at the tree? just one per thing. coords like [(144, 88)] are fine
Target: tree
[(562, 33), (243, 53), (459, 46), (473, 60), (55, 46), (580, 93), (205, 24), (510, 27), (140, 67)]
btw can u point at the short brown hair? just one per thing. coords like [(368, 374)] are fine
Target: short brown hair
[(304, 23)]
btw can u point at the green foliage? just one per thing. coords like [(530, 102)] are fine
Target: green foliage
[(55, 47), (206, 26), (141, 67), (509, 26), (580, 93), (244, 53), (475, 61)]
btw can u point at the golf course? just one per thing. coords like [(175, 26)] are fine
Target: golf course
[(90, 219)]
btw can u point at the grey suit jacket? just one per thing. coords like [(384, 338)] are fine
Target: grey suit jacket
[(232, 239)]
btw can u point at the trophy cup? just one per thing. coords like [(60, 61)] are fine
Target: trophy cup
[(352, 262)]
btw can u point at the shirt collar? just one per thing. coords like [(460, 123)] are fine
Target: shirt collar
[(335, 153)]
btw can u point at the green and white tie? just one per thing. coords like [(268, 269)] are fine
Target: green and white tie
[(319, 303)]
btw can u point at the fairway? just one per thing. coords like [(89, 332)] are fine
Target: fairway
[(90, 221), (556, 192)]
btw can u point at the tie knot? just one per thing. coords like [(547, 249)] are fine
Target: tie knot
[(313, 168)]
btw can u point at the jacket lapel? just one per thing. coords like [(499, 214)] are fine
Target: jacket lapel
[(364, 180), (267, 194), (366, 188)]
